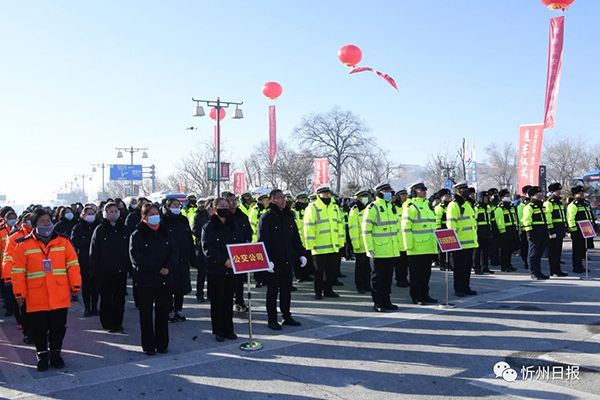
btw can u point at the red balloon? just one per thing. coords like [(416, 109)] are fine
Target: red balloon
[(561, 5), (350, 55), (213, 114), (272, 90)]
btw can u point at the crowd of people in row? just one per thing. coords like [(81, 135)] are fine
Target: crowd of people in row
[(51, 256)]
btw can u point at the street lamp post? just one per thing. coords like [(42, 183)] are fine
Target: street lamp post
[(103, 166), (218, 105), (83, 176), (131, 150)]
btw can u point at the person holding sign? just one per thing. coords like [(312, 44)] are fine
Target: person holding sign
[(418, 226), (45, 273), (278, 231), (578, 210), (220, 231)]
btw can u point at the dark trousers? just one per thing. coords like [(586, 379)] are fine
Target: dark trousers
[(326, 274), (382, 271), (339, 263), (238, 293), (200, 279), (494, 247), (177, 302), (524, 247), (579, 249), (112, 299), (8, 296), (420, 273), (535, 251), (221, 288), (89, 290), (506, 248), (463, 262), (401, 268), (305, 272), (362, 272), (22, 318), (48, 327), (279, 282), (444, 260), (554, 254), (481, 253), (155, 335)]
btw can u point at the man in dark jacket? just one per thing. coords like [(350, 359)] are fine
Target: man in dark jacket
[(279, 232), (200, 219), (81, 237)]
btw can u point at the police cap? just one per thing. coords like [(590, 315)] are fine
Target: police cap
[(361, 192), (553, 187), (443, 191), (324, 189), (525, 189), (383, 186), (577, 189), (503, 192), (533, 190), (301, 195), (461, 185)]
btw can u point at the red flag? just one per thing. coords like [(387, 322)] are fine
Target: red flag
[(216, 142), (385, 76), (555, 51), (239, 182), (530, 150), (272, 135), (321, 172)]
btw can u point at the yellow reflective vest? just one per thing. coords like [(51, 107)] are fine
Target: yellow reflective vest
[(257, 211), (578, 210), (382, 230), (418, 225), (323, 228), (461, 217), (355, 228)]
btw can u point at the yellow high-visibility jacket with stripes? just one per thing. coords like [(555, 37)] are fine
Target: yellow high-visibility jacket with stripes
[(355, 219), (418, 226), (257, 211), (382, 230), (461, 217), (578, 210), (299, 217), (50, 289), (245, 210), (323, 228)]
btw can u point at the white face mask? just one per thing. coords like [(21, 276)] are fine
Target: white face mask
[(69, 216), (112, 216), (176, 211), (90, 218)]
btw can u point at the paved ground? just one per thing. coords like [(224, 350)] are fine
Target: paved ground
[(343, 350)]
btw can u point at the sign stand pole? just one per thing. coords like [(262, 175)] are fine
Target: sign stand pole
[(447, 305), (586, 277), (251, 345)]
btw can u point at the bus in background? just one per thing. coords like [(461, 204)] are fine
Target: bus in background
[(591, 181), (158, 197)]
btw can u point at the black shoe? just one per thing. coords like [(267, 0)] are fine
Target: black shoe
[(42, 364), (9, 313), (150, 352), (56, 360), (304, 279), (220, 338), (578, 270), (337, 283), (544, 276), (275, 326), (379, 308), (418, 302), (486, 270), (259, 284), (471, 292), (318, 296), (95, 311), (537, 277), (430, 300), (331, 294), (478, 271), (562, 262), (241, 308), (340, 275), (200, 298), (404, 283), (87, 313), (230, 336), (179, 316), (442, 268), (294, 288), (162, 351), (361, 291), (459, 294), (172, 318), (291, 322), (560, 273), (27, 340), (391, 307)]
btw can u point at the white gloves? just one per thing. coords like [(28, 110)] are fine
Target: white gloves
[(372, 253), (553, 236), (271, 267), (303, 261)]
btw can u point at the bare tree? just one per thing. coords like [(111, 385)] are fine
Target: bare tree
[(441, 167), (372, 167), (564, 158), (336, 135), (593, 157), (193, 170), (502, 164)]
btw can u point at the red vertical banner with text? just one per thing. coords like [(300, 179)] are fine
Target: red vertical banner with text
[(555, 50), (181, 187), (321, 172), (239, 183), (216, 141), (530, 150), (272, 135)]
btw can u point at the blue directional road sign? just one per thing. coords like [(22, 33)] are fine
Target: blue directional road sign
[(125, 172), (448, 184)]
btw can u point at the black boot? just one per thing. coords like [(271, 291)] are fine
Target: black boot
[(42, 364), (56, 360)]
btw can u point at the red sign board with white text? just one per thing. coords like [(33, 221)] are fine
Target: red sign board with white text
[(447, 240), (587, 229), (530, 151), (248, 257)]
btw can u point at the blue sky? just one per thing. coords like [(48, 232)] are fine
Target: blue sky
[(80, 78)]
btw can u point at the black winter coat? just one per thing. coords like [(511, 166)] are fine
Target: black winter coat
[(200, 220), (215, 238), (65, 226), (279, 232), (243, 225), (133, 219), (81, 237), (179, 229), (109, 250), (150, 251)]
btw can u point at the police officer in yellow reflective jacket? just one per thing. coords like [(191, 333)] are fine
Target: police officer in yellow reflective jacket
[(461, 217), (484, 232), (257, 211), (555, 212), (401, 268), (323, 234), (445, 196), (418, 227), (383, 242), (536, 228), (507, 224), (299, 208), (524, 245), (578, 210), (362, 269), (247, 202)]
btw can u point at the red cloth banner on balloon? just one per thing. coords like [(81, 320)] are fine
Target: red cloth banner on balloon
[(530, 150), (272, 135), (321, 172), (385, 76), (239, 183), (555, 50)]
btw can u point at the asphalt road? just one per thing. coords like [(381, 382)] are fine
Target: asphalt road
[(546, 331)]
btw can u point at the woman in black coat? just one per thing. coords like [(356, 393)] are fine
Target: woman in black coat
[(200, 219), (81, 237), (220, 231), (109, 264), (66, 221), (179, 229), (153, 255)]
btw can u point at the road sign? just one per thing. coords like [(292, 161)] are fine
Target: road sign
[(126, 172), (248, 257), (448, 184), (447, 240), (2, 197), (63, 196)]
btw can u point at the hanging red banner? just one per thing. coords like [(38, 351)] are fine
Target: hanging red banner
[(239, 183), (321, 172), (272, 136), (530, 150), (181, 187), (216, 142), (555, 50)]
